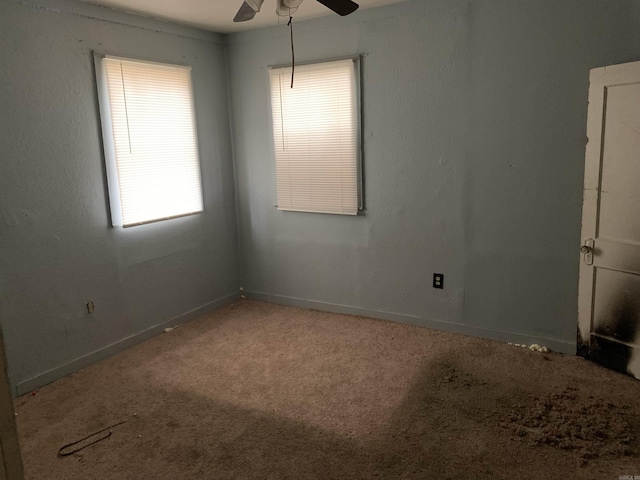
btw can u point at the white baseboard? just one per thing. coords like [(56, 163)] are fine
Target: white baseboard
[(561, 346), (60, 371)]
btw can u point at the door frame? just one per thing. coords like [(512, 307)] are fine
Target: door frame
[(10, 460)]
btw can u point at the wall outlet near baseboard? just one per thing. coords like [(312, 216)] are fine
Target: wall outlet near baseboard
[(438, 280)]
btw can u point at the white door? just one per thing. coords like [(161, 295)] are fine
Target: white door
[(609, 296)]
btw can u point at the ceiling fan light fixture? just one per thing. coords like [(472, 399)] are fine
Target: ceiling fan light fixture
[(286, 8), (255, 5), (291, 3)]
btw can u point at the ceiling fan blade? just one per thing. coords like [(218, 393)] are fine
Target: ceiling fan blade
[(245, 13), (341, 7)]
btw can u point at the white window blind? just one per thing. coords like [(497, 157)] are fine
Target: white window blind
[(150, 139), (316, 132)]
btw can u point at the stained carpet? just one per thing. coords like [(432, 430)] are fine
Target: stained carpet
[(260, 391)]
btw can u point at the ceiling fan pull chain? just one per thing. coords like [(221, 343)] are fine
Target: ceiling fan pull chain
[(293, 55)]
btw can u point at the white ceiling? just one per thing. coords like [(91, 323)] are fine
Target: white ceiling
[(217, 15)]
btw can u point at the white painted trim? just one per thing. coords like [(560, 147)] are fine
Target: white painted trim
[(556, 345), (60, 371), (109, 146)]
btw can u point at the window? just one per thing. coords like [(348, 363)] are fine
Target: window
[(150, 142), (316, 133)]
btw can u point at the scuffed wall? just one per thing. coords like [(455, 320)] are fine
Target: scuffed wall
[(474, 130), (474, 138), (58, 250)]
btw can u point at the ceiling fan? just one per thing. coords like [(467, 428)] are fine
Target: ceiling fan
[(286, 8)]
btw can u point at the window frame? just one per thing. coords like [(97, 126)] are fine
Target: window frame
[(108, 138), (357, 60)]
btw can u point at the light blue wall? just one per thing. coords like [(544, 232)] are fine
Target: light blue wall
[(57, 250), (474, 134)]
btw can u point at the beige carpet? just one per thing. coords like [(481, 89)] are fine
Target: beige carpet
[(259, 391)]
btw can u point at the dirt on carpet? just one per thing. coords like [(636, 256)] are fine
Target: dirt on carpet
[(568, 421), (260, 391)]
